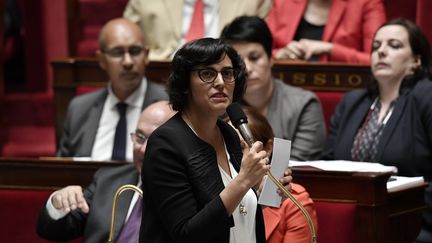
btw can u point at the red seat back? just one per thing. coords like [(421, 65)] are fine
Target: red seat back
[(19, 210), (329, 101), (336, 222)]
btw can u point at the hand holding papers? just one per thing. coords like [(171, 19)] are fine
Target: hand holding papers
[(280, 161), (269, 195)]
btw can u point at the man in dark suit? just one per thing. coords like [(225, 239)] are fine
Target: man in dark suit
[(71, 212), (91, 119)]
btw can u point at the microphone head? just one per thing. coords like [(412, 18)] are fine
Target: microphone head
[(236, 115)]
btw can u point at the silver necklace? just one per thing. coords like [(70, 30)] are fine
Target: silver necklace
[(242, 207)]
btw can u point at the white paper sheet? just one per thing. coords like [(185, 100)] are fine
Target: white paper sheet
[(279, 163), (398, 183), (344, 165)]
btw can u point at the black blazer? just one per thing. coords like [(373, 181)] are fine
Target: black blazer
[(406, 141), (181, 184)]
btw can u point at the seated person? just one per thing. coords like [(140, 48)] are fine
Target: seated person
[(167, 25), (286, 224), (391, 122), (71, 212), (294, 114), (96, 124), (325, 30)]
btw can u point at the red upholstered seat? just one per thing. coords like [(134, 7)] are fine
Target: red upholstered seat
[(28, 125), (92, 15), (329, 101), (336, 222), (29, 141), (19, 210)]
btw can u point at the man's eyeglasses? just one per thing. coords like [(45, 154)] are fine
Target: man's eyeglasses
[(119, 52), (209, 75), (138, 138)]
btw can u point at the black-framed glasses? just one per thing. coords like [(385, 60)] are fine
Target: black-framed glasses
[(138, 138), (209, 75), (119, 52)]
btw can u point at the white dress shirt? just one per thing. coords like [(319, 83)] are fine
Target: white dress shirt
[(244, 225), (104, 141), (211, 18)]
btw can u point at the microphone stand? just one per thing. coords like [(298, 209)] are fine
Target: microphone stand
[(297, 203), (249, 141), (116, 197)]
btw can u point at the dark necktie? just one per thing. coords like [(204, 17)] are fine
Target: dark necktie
[(130, 230), (119, 148)]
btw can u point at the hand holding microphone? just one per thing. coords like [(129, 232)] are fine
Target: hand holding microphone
[(239, 120), (255, 159), (254, 164)]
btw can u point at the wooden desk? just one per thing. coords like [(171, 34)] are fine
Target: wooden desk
[(47, 174), (380, 216)]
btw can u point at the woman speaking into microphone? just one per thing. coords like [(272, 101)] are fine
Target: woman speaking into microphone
[(198, 184)]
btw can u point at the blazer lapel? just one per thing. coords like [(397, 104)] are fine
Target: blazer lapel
[(233, 145), (203, 166), (150, 95), (91, 126), (398, 110), (336, 13), (271, 219), (293, 16), (353, 125)]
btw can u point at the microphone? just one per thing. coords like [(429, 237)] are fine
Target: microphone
[(239, 120)]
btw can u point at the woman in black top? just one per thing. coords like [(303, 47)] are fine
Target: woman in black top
[(197, 182)]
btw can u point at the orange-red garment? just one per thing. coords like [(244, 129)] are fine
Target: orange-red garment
[(350, 27), (287, 224)]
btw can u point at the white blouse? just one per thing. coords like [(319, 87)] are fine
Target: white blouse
[(244, 223)]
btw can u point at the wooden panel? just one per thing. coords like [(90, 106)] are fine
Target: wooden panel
[(72, 72), (313, 76), (48, 173), (323, 76), (379, 214), (381, 217)]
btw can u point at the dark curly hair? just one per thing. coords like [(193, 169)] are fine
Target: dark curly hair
[(206, 51)]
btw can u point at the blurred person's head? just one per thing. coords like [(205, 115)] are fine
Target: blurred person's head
[(259, 126), (123, 54), (400, 53), (151, 118), (252, 39), (207, 74)]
